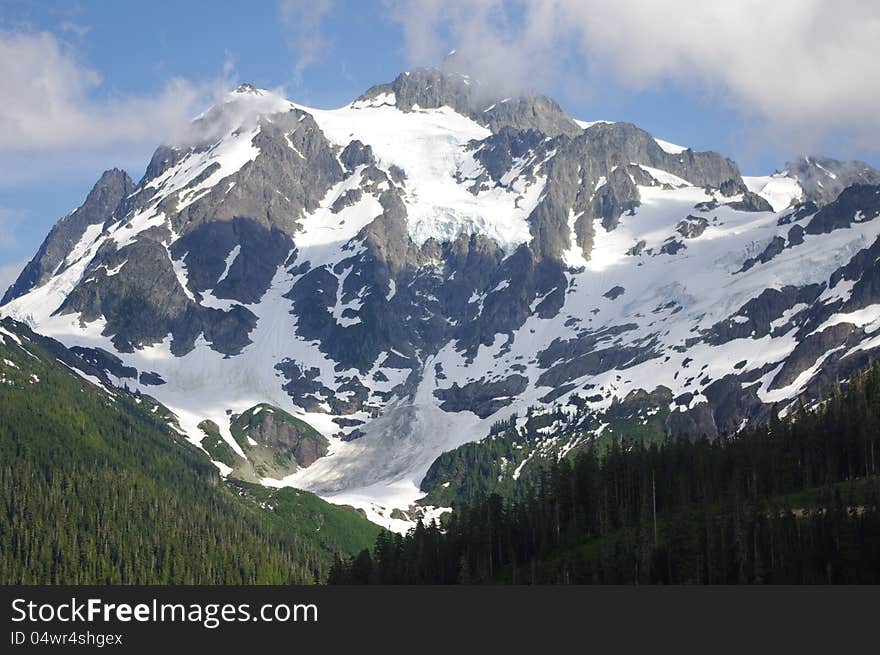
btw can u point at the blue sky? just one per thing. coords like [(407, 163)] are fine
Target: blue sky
[(749, 85)]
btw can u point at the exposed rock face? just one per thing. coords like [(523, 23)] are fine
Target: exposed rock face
[(483, 398), (109, 191), (499, 152), (596, 176), (809, 350), (427, 88), (614, 292), (97, 368), (692, 226), (757, 317), (294, 157), (855, 204), (776, 246), (696, 422), (234, 259), (751, 202), (105, 361), (531, 112), (275, 444), (142, 302), (823, 178)]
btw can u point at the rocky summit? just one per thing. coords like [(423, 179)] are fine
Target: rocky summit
[(331, 299)]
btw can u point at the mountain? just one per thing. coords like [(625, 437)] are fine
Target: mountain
[(397, 278), (792, 501), (100, 487)]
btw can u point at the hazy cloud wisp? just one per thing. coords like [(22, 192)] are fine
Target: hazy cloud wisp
[(50, 102), (802, 67), (307, 40)]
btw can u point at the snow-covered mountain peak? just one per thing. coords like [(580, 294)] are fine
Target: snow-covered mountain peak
[(811, 178), (823, 178), (403, 272), (246, 87)]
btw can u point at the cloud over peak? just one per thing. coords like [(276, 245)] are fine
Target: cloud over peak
[(802, 68), (53, 101)]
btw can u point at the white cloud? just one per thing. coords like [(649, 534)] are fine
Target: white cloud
[(52, 101), (803, 68), (307, 40), (8, 274)]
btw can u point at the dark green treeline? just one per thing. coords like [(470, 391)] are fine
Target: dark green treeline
[(793, 502)]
